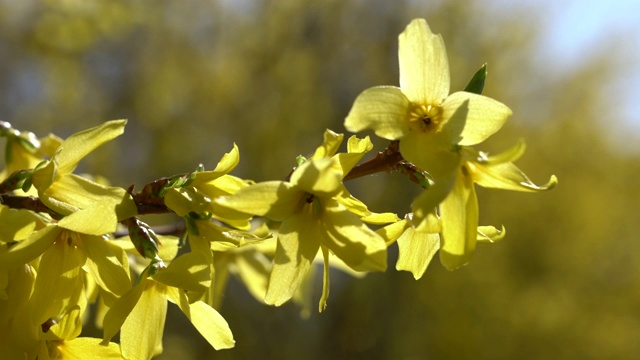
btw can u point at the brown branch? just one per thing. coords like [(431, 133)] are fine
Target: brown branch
[(28, 203), (385, 161)]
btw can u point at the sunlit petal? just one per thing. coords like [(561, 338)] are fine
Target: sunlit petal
[(352, 241), (416, 251), (120, 310), (229, 161), (459, 219), (190, 271), (325, 280), (431, 153), (424, 67), (356, 149), (253, 268), (59, 282), (318, 176), (141, 333), (392, 232), (298, 245), (506, 176), (211, 325), (105, 265), (330, 145), (89, 348), (30, 248), (490, 234), (80, 144), (484, 117), (68, 327), (17, 224), (83, 193), (384, 109), (425, 203), (274, 199)]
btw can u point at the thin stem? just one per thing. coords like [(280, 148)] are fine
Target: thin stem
[(385, 161), (28, 203)]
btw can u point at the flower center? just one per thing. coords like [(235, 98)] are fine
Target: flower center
[(313, 204), (424, 118)]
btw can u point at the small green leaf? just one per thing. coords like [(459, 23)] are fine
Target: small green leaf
[(476, 84), (29, 141), (300, 160)]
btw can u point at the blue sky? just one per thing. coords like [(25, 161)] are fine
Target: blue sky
[(575, 29)]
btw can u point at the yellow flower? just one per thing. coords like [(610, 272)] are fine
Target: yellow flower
[(459, 210), (23, 150), (430, 123), (203, 186), (60, 284), (42, 312), (250, 263), (140, 313), (61, 341), (417, 247), (88, 207), (313, 218)]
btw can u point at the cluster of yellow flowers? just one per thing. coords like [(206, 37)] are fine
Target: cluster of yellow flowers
[(59, 252)]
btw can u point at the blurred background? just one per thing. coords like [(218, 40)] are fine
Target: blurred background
[(193, 77)]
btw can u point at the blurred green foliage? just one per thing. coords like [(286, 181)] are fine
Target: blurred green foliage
[(193, 77)]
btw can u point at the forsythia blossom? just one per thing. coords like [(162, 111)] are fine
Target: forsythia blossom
[(63, 247), (435, 130), (430, 124)]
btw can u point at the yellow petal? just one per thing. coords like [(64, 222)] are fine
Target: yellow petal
[(220, 186), (384, 109), (141, 333), (424, 67), (89, 348), (356, 149), (352, 204), (330, 145), (392, 232), (77, 192), (490, 234), (211, 325), (352, 241), (318, 176), (187, 199), (18, 291), (29, 249), (16, 224), (416, 251), (432, 153), (484, 117), (298, 244), (274, 199), (506, 176), (80, 144), (104, 264), (510, 155), (69, 326), (189, 271), (325, 280), (459, 219), (253, 269), (18, 158), (229, 161), (426, 203), (380, 218), (59, 281), (120, 310)]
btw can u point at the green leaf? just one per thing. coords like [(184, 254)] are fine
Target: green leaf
[(476, 84)]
